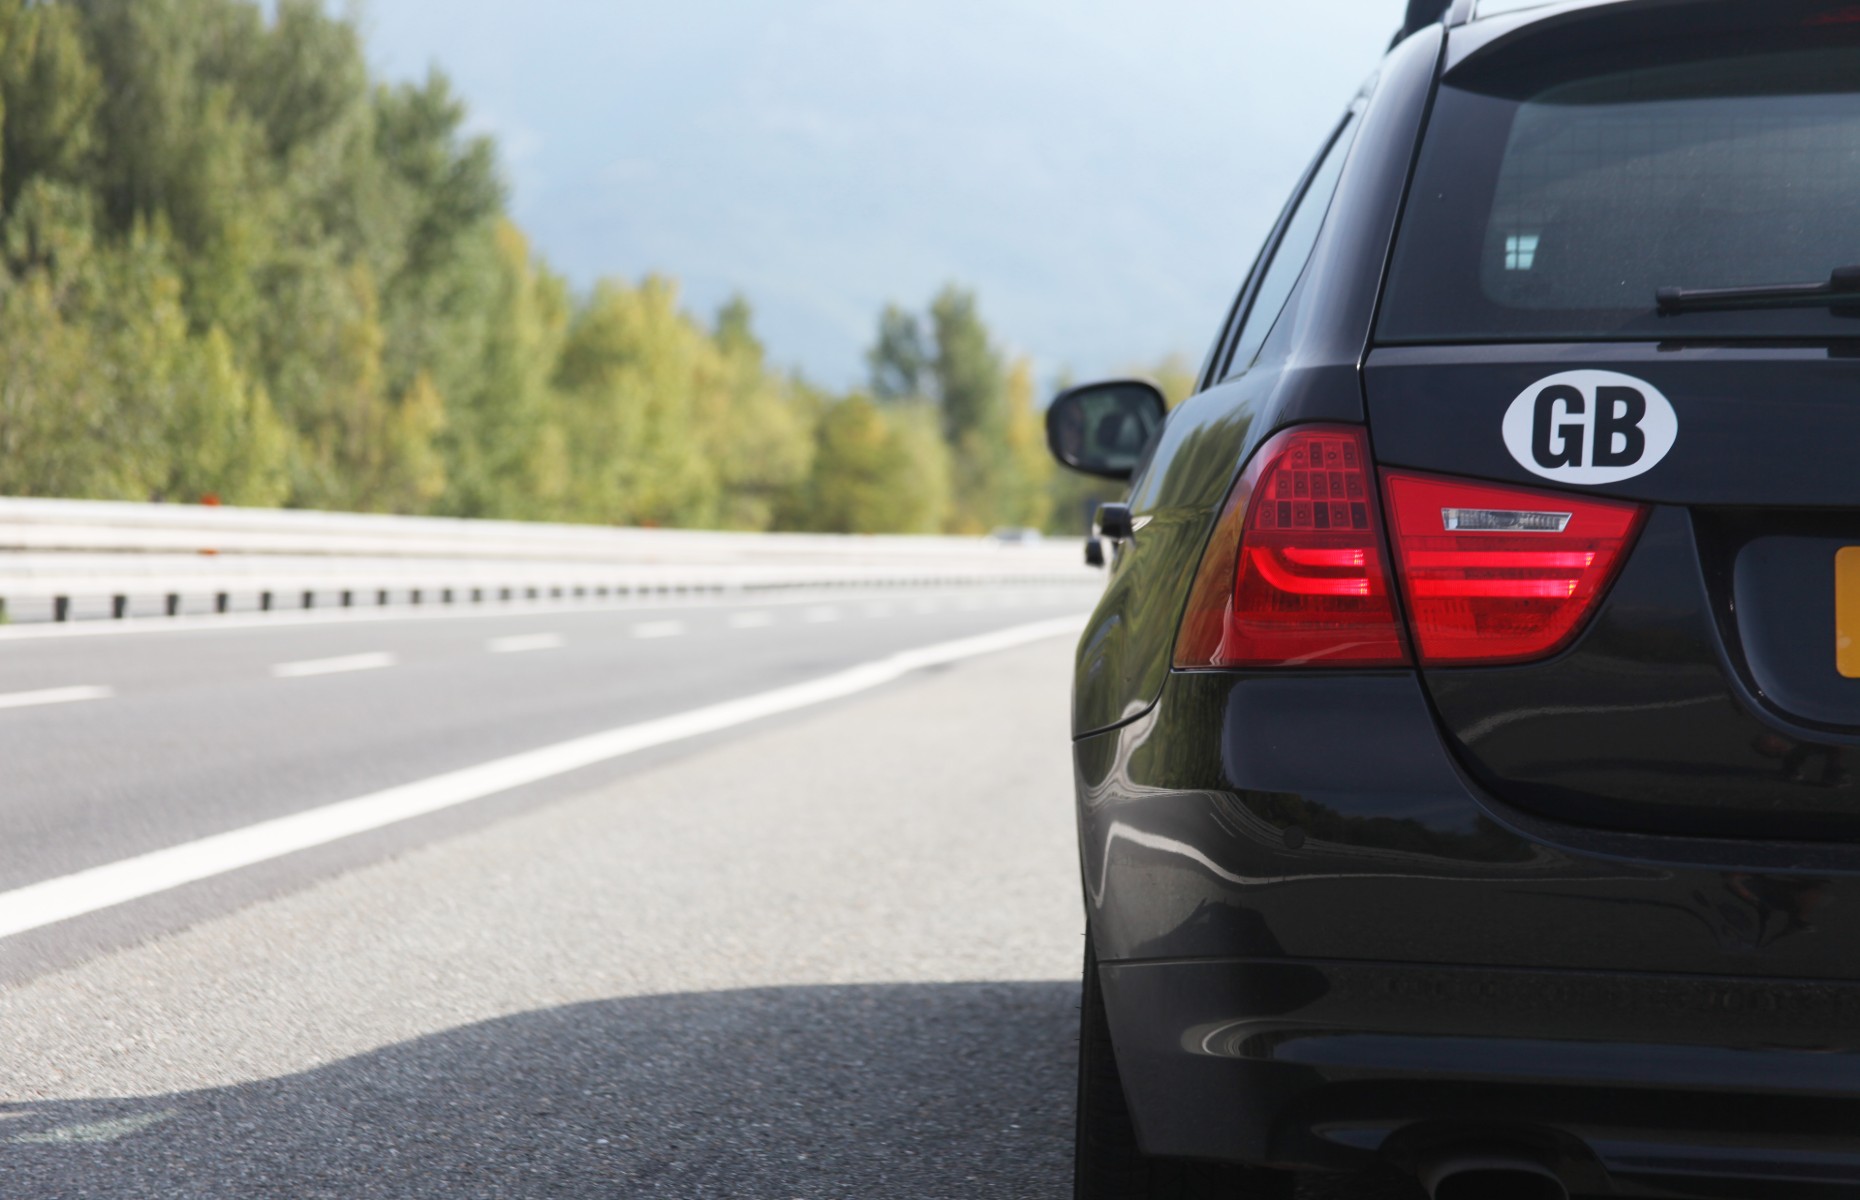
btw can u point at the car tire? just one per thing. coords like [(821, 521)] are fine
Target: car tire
[(1108, 1164)]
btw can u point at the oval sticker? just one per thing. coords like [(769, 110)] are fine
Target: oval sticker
[(1590, 427)]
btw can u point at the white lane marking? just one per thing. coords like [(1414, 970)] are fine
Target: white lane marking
[(878, 610), (658, 629), (372, 661), (751, 620), (39, 904), (821, 615), (59, 695), (521, 643), (923, 606), (970, 603)]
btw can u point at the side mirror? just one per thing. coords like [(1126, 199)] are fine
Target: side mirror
[(1102, 428)]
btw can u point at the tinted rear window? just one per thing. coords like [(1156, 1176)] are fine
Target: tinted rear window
[(1553, 200)]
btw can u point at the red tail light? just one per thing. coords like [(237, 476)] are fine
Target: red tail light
[(1501, 574), (1294, 575)]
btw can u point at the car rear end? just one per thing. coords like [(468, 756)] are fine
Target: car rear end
[(1503, 801)]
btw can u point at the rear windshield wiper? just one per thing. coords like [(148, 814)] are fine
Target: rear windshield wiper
[(1841, 290)]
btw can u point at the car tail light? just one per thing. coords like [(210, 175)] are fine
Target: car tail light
[(1295, 573), (1492, 573)]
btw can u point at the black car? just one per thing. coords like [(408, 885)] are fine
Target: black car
[(1468, 739)]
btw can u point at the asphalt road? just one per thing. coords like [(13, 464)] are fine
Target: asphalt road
[(828, 954), (188, 734)]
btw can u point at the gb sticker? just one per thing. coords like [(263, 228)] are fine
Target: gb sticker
[(1590, 427)]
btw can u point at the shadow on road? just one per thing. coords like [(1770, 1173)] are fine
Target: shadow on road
[(947, 1090), (862, 1092)]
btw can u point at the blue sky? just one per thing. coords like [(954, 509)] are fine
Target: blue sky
[(1100, 173)]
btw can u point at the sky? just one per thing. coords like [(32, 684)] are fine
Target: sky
[(1100, 173)]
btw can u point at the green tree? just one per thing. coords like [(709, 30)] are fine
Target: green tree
[(630, 372), (897, 361), (736, 335), (970, 384), (1026, 496), (232, 262), (104, 389), (757, 429), (959, 368), (506, 448), (877, 469), (966, 368), (49, 94)]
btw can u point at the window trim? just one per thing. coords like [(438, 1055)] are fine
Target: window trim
[(1220, 362)]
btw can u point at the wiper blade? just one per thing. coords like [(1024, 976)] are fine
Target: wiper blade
[(1841, 290)]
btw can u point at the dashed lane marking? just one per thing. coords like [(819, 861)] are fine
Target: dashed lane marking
[(523, 643), (372, 661), (58, 695)]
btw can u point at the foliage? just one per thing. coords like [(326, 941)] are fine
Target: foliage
[(234, 265), (984, 405), (897, 359), (878, 469)]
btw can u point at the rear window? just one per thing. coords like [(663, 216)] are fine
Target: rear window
[(1552, 200)]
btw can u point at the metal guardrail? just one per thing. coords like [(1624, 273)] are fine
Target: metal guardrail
[(61, 558)]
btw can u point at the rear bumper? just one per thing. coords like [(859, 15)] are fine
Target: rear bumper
[(1621, 1084), (1322, 946)]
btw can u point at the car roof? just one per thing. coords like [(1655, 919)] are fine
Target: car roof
[(1496, 8), (1454, 13), (1479, 26), (1527, 11), (1463, 12), (1474, 18)]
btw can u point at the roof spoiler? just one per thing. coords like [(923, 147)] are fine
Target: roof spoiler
[(1421, 14)]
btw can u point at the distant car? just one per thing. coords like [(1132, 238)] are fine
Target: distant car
[(1468, 738), (1017, 537)]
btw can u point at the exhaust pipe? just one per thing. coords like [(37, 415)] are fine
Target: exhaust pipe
[(1482, 1176)]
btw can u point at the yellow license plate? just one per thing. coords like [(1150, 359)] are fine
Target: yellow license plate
[(1847, 611)]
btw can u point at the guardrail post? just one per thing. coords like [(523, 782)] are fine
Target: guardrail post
[(309, 600), (414, 596), (348, 599), (221, 601), (264, 602), (445, 597), (173, 604), (381, 597), (118, 606), (61, 608), (477, 595)]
